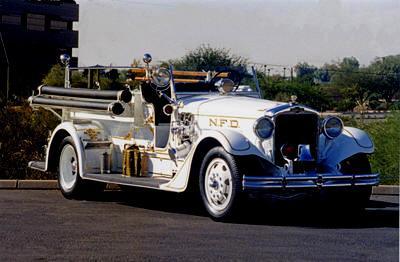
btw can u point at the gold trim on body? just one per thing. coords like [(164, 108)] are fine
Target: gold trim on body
[(234, 117), (222, 122)]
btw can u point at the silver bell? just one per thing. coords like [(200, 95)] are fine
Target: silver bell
[(147, 58), (65, 58)]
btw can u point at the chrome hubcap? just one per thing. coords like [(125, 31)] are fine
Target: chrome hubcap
[(68, 168), (218, 185)]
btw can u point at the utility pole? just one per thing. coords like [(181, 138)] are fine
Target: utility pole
[(291, 74), (8, 65)]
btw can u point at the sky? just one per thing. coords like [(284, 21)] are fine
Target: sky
[(279, 32)]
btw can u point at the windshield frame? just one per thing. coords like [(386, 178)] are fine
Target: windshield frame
[(179, 94)]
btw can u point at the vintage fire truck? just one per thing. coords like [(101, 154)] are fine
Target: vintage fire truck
[(210, 131)]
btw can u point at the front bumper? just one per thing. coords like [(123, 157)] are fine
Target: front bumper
[(324, 180)]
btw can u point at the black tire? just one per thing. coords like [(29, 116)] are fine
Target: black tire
[(355, 198), (76, 188), (230, 208)]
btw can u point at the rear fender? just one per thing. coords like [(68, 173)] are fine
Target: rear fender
[(77, 133)]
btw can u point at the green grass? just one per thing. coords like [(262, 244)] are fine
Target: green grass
[(386, 137)]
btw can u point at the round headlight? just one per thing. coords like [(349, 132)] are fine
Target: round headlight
[(161, 77), (332, 127), (264, 128)]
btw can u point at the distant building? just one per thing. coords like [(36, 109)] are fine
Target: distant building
[(34, 34)]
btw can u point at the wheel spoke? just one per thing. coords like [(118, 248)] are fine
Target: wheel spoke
[(218, 188)]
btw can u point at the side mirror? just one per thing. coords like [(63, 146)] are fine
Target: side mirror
[(225, 85)]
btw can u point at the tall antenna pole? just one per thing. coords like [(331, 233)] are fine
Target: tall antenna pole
[(8, 66)]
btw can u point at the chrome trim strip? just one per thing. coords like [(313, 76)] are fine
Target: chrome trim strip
[(367, 176), (365, 184), (310, 181)]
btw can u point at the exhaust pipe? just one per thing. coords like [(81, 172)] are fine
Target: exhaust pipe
[(121, 95), (114, 107)]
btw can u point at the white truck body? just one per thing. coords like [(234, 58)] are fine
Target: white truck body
[(171, 150)]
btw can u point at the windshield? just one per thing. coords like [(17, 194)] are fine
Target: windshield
[(243, 81)]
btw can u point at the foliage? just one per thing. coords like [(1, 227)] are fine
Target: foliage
[(387, 76), (305, 72), (111, 79), (307, 93), (347, 86), (55, 77), (24, 133), (207, 58), (386, 137), (78, 80)]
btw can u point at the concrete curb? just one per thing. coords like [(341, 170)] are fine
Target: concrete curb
[(37, 184), (8, 184), (385, 190), (28, 184), (53, 184)]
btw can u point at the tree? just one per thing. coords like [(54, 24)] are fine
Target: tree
[(354, 83), (109, 80), (207, 58), (386, 71), (279, 89), (305, 72), (323, 74), (349, 63), (55, 77), (345, 72)]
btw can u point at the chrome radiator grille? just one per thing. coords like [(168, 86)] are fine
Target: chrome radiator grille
[(294, 128)]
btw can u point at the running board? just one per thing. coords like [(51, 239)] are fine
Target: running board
[(148, 182), (37, 165)]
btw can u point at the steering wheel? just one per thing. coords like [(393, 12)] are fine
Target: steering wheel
[(233, 75)]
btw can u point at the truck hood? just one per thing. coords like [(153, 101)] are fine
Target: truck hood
[(228, 105)]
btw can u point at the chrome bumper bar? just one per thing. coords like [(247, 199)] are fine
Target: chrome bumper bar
[(309, 181)]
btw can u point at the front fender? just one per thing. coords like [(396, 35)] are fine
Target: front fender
[(233, 142), (352, 141)]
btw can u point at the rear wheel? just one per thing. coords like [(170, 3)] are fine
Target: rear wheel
[(69, 180), (220, 184)]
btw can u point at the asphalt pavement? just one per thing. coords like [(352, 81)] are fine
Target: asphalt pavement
[(149, 225)]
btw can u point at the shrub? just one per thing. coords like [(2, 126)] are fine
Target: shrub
[(307, 94), (24, 134), (386, 137), (395, 106)]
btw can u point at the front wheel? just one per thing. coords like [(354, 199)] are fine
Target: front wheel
[(356, 198), (220, 184)]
